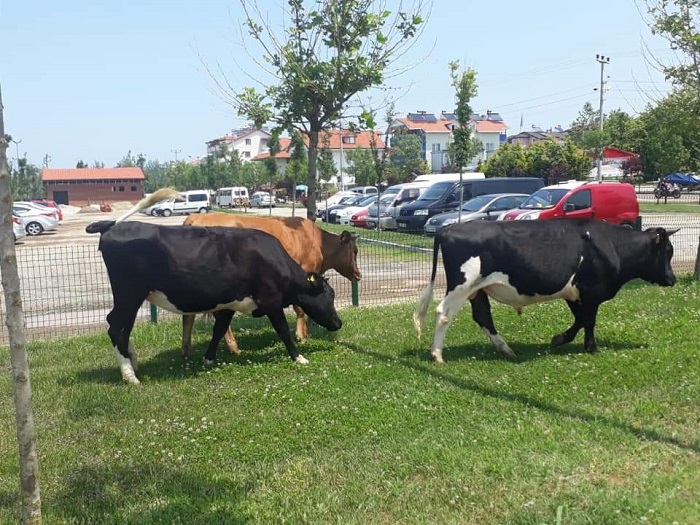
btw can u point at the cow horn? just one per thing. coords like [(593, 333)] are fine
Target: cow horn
[(671, 232)]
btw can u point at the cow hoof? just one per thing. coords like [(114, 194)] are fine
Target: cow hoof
[(557, 340), (207, 362), (438, 359), (301, 360), (132, 380)]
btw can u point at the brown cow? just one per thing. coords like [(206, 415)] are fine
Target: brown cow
[(314, 249)]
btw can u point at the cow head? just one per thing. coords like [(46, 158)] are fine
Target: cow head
[(344, 258), (659, 267), (316, 299)]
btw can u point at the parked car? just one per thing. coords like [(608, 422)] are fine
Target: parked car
[(614, 202), (445, 196), (359, 219), (365, 190), (50, 204), (342, 216), (482, 208), (322, 205), (403, 194), (261, 200), (36, 222), (331, 214), (25, 206), (193, 201), (18, 228)]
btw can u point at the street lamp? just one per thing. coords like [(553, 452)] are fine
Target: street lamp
[(17, 143), (602, 60)]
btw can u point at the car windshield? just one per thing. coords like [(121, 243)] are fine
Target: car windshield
[(544, 198), (365, 201), (435, 191), (476, 203)]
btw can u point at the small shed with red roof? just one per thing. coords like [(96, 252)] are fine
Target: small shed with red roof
[(84, 186)]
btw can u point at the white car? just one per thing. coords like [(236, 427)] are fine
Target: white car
[(18, 228), (23, 206), (342, 216), (36, 222), (261, 200), (193, 201)]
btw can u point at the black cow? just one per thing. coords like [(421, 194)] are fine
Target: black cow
[(520, 263), (188, 270)]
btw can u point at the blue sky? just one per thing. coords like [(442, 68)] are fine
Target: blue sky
[(94, 79)]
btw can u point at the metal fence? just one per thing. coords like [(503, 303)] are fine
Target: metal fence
[(66, 291)]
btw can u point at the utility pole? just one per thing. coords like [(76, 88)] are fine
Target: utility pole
[(340, 126), (175, 151), (17, 143), (602, 60)]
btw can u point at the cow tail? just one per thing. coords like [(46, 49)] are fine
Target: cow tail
[(426, 295), (160, 195)]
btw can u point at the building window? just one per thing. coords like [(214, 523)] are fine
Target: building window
[(133, 188), (246, 154), (349, 139), (121, 188), (436, 148), (248, 142)]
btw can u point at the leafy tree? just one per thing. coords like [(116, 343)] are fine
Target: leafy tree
[(297, 167), (406, 157), (81, 165), (273, 146), (328, 54), (25, 180), (127, 161), (463, 147), (98, 164), (327, 169), (677, 21), (361, 166), (509, 160)]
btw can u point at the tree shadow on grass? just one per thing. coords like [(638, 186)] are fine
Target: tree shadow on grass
[(441, 372), (147, 494)]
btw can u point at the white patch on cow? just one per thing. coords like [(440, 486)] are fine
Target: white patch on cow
[(133, 358), (126, 369), (301, 360), (453, 302), (246, 306), (499, 343), (497, 285)]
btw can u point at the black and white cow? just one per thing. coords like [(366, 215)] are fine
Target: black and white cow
[(190, 270), (519, 263)]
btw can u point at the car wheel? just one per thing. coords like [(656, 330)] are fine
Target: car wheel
[(203, 210), (167, 212), (154, 213), (34, 228)]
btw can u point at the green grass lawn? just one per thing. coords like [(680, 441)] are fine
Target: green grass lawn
[(670, 207), (371, 431)]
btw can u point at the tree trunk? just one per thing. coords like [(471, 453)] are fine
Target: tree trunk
[(311, 182), (26, 433)]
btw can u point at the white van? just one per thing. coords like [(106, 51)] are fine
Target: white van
[(441, 177), (230, 197), (194, 201)]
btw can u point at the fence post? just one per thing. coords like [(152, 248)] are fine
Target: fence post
[(355, 293), (154, 313), (638, 223), (697, 263)]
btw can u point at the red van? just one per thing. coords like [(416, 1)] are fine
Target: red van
[(613, 202)]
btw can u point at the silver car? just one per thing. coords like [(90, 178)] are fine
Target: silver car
[(261, 200), (480, 208)]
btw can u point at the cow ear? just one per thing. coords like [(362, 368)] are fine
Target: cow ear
[(346, 236)]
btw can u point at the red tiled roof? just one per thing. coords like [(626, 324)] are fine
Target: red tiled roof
[(489, 126), (439, 126), (51, 175), (362, 141)]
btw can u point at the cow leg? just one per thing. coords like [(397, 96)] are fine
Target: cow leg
[(445, 312), (121, 321), (187, 324), (584, 317), (279, 322), (481, 313), (302, 327), (231, 342), (222, 320)]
